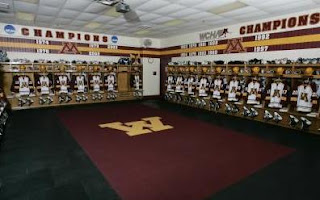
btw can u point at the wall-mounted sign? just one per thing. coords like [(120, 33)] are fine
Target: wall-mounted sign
[(69, 48), (292, 22), (10, 29), (114, 39), (212, 35), (55, 34), (235, 46)]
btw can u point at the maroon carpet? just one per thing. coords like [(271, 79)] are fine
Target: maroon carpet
[(190, 162)]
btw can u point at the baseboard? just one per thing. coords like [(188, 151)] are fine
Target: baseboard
[(152, 97)]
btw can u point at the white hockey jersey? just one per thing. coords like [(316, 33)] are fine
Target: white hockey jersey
[(179, 84), (44, 85), (111, 82), (233, 88), (317, 82), (96, 80), (276, 95), (63, 80), (170, 83), (24, 85), (203, 83), (136, 82), (80, 84), (217, 84), (190, 83), (304, 102), (253, 89)]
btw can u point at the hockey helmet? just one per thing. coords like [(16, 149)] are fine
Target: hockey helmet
[(80, 68), (218, 70), (22, 67), (308, 71), (96, 68), (235, 70), (42, 68), (62, 68), (256, 70), (280, 70), (204, 69)]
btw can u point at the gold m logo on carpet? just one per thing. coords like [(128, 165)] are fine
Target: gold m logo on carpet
[(139, 127)]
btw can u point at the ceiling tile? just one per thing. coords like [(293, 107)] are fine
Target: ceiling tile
[(7, 20), (25, 22), (149, 17), (169, 9), (118, 21), (174, 22), (30, 1), (135, 3), (162, 20), (25, 7), (25, 16), (44, 24), (78, 5), (292, 6), (66, 13), (96, 8), (198, 16), (43, 18), (152, 5), (241, 11), (53, 3), (49, 11), (78, 23), (107, 26), (103, 19), (189, 3), (184, 12), (93, 25), (209, 4), (249, 16), (62, 21), (86, 16), (274, 3)]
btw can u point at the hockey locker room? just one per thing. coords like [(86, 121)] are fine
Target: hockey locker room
[(159, 99)]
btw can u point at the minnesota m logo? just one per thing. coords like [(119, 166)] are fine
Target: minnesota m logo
[(69, 48), (147, 125)]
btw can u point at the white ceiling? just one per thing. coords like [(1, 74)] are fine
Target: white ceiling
[(159, 18)]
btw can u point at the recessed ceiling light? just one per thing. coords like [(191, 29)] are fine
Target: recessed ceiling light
[(31, 1), (142, 32), (92, 25), (25, 16), (173, 22), (228, 7)]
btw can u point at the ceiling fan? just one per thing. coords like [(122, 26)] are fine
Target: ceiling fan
[(129, 14)]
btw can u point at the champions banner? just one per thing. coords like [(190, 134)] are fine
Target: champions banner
[(300, 31)]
